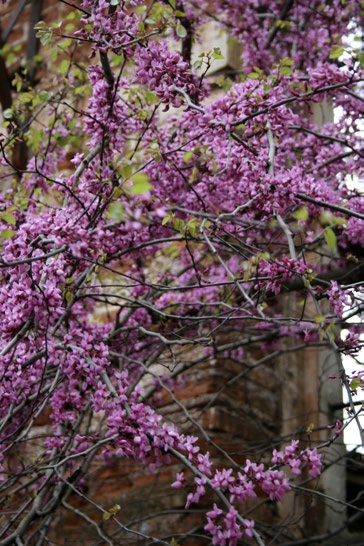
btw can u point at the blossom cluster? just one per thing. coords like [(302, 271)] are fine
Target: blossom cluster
[(304, 27), (166, 73), (227, 528)]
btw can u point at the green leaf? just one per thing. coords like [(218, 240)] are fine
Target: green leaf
[(284, 25), (192, 226), (71, 16), (167, 218), (187, 157), (141, 184), (111, 512), (40, 25), (285, 70), (117, 192), (126, 170), (326, 218), (360, 59), (194, 175), (23, 203), (336, 51), (287, 61), (68, 296), (143, 114), (172, 251), (45, 37), (64, 66), (217, 53), (337, 221), (253, 75), (181, 30), (7, 233), (8, 113), (300, 214), (118, 60), (26, 97), (8, 217), (331, 239), (310, 428), (115, 212), (308, 277), (180, 225), (320, 319), (355, 383), (151, 98), (44, 95)]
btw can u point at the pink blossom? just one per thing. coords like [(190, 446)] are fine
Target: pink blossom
[(180, 479)]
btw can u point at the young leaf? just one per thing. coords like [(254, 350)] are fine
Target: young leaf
[(141, 184), (331, 239), (181, 30), (217, 53), (355, 383), (320, 319), (197, 65), (111, 512), (287, 61), (115, 212), (187, 156), (64, 66), (7, 233), (285, 70), (310, 428), (68, 296), (8, 217), (300, 214), (336, 51)]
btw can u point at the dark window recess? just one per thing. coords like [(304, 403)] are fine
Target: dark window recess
[(355, 491)]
